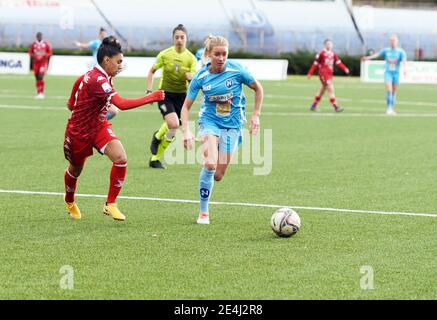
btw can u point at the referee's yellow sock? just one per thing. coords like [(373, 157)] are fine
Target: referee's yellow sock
[(162, 131), (163, 145)]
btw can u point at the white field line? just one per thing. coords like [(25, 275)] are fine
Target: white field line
[(296, 114), (308, 98), (241, 204), (60, 108), (349, 115), (348, 85), (374, 101)]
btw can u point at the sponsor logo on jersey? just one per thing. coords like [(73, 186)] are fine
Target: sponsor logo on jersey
[(221, 98), (106, 87), (206, 88), (100, 78)]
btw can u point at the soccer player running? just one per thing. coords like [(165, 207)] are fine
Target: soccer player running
[(222, 115), (394, 57), (326, 61), (94, 46), (88, 127), (40, 52), (179, 66)]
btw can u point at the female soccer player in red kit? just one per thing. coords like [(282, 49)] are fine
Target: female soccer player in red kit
[(88, 128), (40, 52), (326, 61)]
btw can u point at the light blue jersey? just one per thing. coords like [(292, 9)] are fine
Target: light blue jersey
[(94, 46), (393, 59), (199, 53), (224, 103)]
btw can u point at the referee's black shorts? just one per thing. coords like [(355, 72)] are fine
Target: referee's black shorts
[(172, 102)]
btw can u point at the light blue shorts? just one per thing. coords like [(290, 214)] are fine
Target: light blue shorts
[(229, 139), (391, 78)]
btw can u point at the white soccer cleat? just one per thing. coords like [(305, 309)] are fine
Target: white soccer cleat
[(203, 218), (40, 96), (391, 112)]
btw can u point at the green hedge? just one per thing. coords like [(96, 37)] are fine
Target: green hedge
[(298, 62)]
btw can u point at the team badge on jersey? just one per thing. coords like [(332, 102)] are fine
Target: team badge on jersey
[(228, 84), (106, 87)]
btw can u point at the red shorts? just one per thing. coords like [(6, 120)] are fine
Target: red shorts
[(325, 78), (40, 67), (76, 151)]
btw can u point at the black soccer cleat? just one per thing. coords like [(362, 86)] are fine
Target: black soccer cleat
[(156, 164), (154, 144)]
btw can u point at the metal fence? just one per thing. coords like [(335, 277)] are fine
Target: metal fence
[(256, 41)]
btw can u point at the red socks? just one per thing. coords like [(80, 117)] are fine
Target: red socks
[(70, 186), (40, 86), (117, 177), (316, 100), (333, 102)]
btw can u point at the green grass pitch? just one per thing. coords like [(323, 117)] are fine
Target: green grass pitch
[(360, 159)]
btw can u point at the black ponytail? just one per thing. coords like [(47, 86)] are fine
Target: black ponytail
[(180, 27), (110, 47)]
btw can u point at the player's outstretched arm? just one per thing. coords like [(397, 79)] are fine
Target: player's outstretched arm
[(150, 79), (81, 45), (126, 104), (343, 67), (373, 56), (259, 97), (185, 119), (312, 69)]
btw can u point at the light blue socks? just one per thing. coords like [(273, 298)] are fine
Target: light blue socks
[(206, 183)]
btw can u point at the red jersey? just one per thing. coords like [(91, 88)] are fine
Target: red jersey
[(326, 61), (89, 102), (40, 52)]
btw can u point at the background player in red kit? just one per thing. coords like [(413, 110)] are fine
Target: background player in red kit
[(40, 52), (326, 61), (88, 128)]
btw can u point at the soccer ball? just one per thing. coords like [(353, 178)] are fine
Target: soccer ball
[(285, 222)]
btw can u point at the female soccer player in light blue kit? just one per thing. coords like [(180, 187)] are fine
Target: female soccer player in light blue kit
[(222, 115), (393, 57)]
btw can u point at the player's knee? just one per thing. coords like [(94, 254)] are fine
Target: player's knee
[(120, 158), (75, 170), (219, 176), (211, 166), (173, 124)]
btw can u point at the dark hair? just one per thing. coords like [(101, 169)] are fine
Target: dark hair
[(109, 48), (327, 40), (180, 27), (102, 29)]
